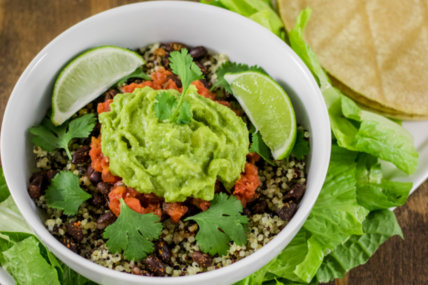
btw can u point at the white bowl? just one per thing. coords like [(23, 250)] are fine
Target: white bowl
[(135, 26)]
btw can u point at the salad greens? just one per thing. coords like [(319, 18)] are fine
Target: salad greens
[(132, 233), (50, 137), (225, 214), (64, 193), (350, 219)]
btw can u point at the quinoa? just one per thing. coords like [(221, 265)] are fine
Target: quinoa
[(281, 189)]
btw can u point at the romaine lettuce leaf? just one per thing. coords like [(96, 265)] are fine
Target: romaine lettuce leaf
[(378, 227)]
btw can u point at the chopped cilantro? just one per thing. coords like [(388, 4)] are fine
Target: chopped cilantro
[(50, 137), (64, 193), (220, 224), (232, 67), (259, 146), (138, 73), (182, 65), (301, 147), (185, 115), (132, 233), (164, 105)]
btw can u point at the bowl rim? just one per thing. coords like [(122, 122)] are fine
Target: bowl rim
[(294, 225)]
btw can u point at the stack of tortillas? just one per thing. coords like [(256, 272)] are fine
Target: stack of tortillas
[(375, 51)]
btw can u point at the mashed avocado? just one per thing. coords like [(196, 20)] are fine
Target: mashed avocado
[(173, 161)]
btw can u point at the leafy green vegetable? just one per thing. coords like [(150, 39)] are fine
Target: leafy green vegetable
[(182, 65), (373, 191), (224, 214), (49, 137), (132, 233), (301, 146), (164, 105), (4, 191), (71, 277), (232, 67), (378, 227), (29, 268), (259, 146), (262, 17), (137, 73), (216, 3), (375, 134), (185, 115), (65, 193)]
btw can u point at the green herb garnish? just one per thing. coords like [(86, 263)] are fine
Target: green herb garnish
[(259, 146), (64, 193), (138, 73), (301, 146), (132, 233), (220, 224), (166, 106), (49, 137)]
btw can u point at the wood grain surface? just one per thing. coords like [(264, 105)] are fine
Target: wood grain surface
[(26, 26)]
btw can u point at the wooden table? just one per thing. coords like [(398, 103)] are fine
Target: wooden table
[(26, 26)]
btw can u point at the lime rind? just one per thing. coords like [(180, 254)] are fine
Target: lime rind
[(277, 126), (87, 76)]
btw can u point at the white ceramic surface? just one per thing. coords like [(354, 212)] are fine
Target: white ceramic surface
[(135, 26)]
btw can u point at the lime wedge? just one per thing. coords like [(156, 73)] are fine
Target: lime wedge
[(87, 76), (268, 107)]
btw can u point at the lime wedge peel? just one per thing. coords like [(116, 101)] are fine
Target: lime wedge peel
[(268, 107), (87, 76)]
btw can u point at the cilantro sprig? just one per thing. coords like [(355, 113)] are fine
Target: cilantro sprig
[(166, 107), (259, 146), (137, 73), (232, 67), (64, 193), (301, 147), (132, 233), (50, 137), (220, 224)]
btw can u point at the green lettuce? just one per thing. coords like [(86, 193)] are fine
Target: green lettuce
[(257, 10)]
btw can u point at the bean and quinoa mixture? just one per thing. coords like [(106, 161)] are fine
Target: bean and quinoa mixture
[(272, 205)]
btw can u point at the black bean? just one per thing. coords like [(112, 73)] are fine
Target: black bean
[(260, 207), (175, 79), (202, 259), (207, 84), (288, 211), (95, 177), (35, 174), (165, 61), (98, 201), (155, 265), (69, 242), (163, 251), (75, 231), (51, 174), (89, 170), (35, 188), (82, 154), (198, 52), (105, 220), (110, 94), (191, 211), (203, 68), (138, 271), (173, 46), (96, 130), (247, 212), (296, 193), (104, 188)]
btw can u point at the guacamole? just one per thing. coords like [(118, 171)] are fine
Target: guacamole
[(170, 160)]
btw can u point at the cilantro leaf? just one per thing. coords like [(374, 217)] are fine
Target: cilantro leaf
[(137, 73), (64, 193), (259, 146), (182, 65), (164, 105), (232, 67), (185, 115), (50, 137), (301, 147), (132, 233), (224, 214)]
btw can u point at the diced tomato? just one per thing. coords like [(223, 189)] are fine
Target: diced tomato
[(134, 204), (104, 107), (245, 187), (100, 162), (175, 210), (202, 90), (114, 196), (253, 157), (159, 81), (201, 204)]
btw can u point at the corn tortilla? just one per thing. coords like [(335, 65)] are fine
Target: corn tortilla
[(376, 51)]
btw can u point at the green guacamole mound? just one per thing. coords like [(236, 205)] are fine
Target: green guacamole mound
[(173, 161)]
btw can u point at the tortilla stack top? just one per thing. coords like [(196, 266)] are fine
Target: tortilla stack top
[(375, 51)]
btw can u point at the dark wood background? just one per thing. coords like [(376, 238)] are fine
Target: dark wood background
[(26, 26)]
